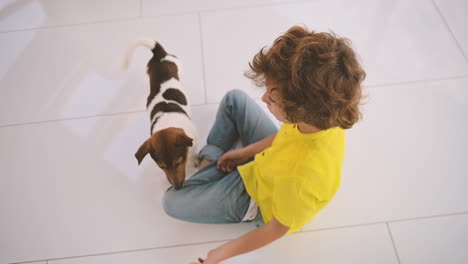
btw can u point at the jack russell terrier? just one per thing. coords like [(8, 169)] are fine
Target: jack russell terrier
[(173, 141)]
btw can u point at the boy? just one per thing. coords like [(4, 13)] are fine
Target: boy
[(279, 178)]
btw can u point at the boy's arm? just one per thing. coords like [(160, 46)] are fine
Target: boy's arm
[(230, 159), (253, 240), (259, 146)]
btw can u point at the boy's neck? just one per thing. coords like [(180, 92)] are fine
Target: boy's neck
[(307, 129)]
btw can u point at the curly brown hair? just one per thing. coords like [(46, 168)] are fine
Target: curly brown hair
[(318, 77)]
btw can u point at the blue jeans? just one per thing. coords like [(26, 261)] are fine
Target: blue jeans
[(210, 195)]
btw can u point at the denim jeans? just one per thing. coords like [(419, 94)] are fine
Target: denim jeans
[(210, 195)]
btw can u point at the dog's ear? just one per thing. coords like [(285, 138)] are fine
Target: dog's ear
[(184, 140), (143, 151)]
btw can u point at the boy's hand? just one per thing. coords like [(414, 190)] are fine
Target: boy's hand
[(211, 259), (207, 261), (231, 159)]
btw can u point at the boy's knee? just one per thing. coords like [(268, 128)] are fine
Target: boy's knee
[(169, 203), (235, 94), (234, 98)]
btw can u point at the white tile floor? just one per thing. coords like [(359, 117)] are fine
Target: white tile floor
[(70, 187)]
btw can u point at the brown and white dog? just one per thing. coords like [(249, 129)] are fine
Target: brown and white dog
[(173, 140)]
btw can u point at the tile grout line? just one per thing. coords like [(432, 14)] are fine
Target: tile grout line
[(140, 16), (225, 240), (202, 56), (88, 117), (393, 242), (120, 252), (458, 77), (71, 118), (382, 222), (240, 7), (71, 25), (452, 34), (214, 103), (427, 217), (141, 8)]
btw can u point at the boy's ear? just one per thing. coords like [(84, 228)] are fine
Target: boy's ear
[(143, 151)]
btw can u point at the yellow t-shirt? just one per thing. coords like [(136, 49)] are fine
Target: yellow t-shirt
[(296, 176)]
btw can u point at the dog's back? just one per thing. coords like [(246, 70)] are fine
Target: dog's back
[(166, 93), (170, 114)]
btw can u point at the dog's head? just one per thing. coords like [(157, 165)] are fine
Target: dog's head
[(168, 148)]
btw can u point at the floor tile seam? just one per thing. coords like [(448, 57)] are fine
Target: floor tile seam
[(393, 242), (387, 223), (141, 8), (203, 11), (452, 34), (30, 262), (403, 83), (428, 217), (200, 27), (88, 117), (121, 252), (455, 77), (208, 103), (141, 16), (71, 118), (72, 25)]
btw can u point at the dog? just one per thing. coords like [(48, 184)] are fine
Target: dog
[(173, 141)]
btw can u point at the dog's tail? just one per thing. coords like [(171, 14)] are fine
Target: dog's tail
[(155, 47)]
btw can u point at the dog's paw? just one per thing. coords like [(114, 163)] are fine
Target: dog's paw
[(196, 161), (203, 164)]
